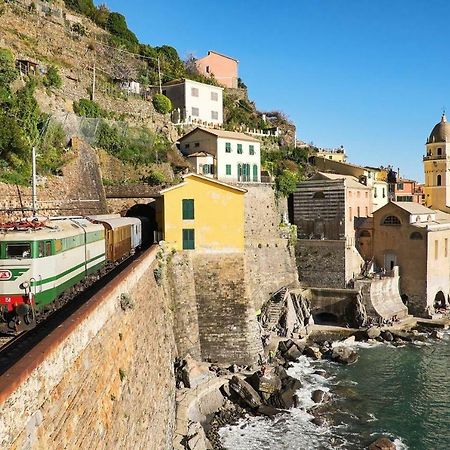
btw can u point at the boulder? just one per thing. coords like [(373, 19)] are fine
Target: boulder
[(373, 332), (194, 372), (319, 396), (269, 383), (320, 372), (245, 392), (402, 335), (285, 398), (360, 335), (387, 336), (319, 421), (292, 354), (269, 411), (344, 355), (382, 443), (284, 346), (436, 334), (312, 352)]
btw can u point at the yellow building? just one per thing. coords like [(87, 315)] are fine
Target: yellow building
[(202, 214), (436, 165)]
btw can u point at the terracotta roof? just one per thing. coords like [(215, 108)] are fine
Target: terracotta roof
[(350, 181), (222, 134)]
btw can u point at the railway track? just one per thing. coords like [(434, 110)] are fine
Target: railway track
[(13, 348)]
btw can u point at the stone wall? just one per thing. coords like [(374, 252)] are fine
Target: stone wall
[(103, 380), (227, 322), (321, 263)]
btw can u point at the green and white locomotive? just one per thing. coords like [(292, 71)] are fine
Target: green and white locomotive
[(41, 259)]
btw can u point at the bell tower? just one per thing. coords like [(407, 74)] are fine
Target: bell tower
[(436, 164)]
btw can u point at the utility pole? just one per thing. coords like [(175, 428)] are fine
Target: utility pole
[(33, 181), (93, 83), (159, 76)]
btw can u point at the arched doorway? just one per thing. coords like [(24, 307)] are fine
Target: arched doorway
[(405, 299), (439, 300)]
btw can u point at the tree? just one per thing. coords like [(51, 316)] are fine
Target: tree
[(52, 78), (117, 25), (8, 72), (286, 183), (87, 108), (162, 103)]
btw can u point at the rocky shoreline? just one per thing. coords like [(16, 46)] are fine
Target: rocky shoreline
[(269, 390)]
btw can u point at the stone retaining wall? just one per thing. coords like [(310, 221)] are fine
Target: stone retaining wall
[(104, 379)]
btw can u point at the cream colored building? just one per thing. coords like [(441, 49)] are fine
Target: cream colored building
[(416, 239), (436, 164), (224, 155)]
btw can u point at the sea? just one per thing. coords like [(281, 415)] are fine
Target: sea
[(402, 392)]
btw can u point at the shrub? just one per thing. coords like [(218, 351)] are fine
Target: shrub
[(286, 183), (155, 177), (117, 25), (52, 78), (8, 72), (87, 108), (162, 104)]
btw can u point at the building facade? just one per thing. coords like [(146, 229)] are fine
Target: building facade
[(222, 67), (416, 239), (224, 155), (202, 214), (195, 102), (436, 164), (408, 191)]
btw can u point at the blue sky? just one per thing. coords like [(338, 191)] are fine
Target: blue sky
[(370, 75)]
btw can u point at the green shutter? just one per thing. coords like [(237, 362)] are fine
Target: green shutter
[(239, 149), (228, 147), (228, 169), (188, 209), (188, 239), (252, 149), (255, 172)]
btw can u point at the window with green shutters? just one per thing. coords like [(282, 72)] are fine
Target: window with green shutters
[(228, 169), (188, 239), (188, 209), (228, 147), (255, 172), (251, 149), (239, 149)]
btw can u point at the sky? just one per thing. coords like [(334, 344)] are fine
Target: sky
[(371, 75)]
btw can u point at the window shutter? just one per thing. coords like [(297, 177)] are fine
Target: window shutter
[(188, 209)]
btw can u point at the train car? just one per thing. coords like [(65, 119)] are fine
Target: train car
[(123, 235), (41, 259)]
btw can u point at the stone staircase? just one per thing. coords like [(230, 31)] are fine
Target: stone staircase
[(274, 309)]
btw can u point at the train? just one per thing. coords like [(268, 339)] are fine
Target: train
[(42, 258)]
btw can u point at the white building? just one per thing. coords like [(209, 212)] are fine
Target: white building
[(225, 155), (196, 101)]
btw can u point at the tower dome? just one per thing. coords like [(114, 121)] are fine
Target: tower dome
[(441, 131)]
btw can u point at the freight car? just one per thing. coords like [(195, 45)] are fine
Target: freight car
[(40, 259)]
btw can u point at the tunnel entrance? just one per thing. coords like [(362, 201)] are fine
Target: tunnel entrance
[(325, 318), (439, 300)]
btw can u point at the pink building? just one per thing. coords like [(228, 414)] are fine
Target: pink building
[(224, 68)]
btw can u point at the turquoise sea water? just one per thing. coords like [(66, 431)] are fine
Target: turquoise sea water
[(402, 392)]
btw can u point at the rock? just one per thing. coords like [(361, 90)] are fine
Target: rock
[(284, 346), (345, 342), (269, 383), (194, 372), (402, 335), (281, 372), (436, 334), (225, 390), (320, 372), (313, 352), (387, 336), (245, 392), (233, 368), (293, 353), (269, 411), (319, 421), (373, 332), (319, 396), (344, 355), (360, 335), (382, 443), (285, 397)]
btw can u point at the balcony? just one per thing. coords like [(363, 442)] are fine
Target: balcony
[(433, 157)]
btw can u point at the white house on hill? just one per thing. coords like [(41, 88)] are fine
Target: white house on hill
[(224, 155)]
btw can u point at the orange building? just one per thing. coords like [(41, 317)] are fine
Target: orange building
[(408, 191), (222, 67)]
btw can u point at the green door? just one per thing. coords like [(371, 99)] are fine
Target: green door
[(188, 239)]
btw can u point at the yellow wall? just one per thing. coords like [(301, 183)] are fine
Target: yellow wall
[(218, 216)]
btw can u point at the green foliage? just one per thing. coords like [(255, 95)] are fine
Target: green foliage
[(239, 112), (51, 149), (110, 138), (156, 177), (162, 103), (117, 25), (52, 78), (85, 7), (8, 72), (88, 108), (286, 182)]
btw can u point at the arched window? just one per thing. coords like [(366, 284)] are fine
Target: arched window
[(439, 180), (416, 236), (439, 151), (364, 233), (391, 220), (255, 172), (319, 194)]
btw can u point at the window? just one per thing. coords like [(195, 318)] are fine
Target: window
[(188, 239), (375, 193), (207, 69), (214, 115), (391, 220), (436, 249), (194, 92), (195, 112), (350, 213), (18, 251), (239, 171), (367, 211), (439, 180), (251, 149), (416, 236), (48, 248), (228, 147), (358, 194), (214, 96), (239, 149), (186, 146), (255, 172), (197, 144), (208, 169), (367, 195), (358, 212), (439, 151), (400, 186), (188, 209), (228, 169), (384, 192)]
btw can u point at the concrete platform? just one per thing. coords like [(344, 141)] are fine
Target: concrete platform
[(443, 322)]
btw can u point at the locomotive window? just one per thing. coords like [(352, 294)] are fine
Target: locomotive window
[(18, 251), (41, 253), (48, 248)]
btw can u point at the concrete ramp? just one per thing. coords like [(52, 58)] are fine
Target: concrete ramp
[(381, 296)]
